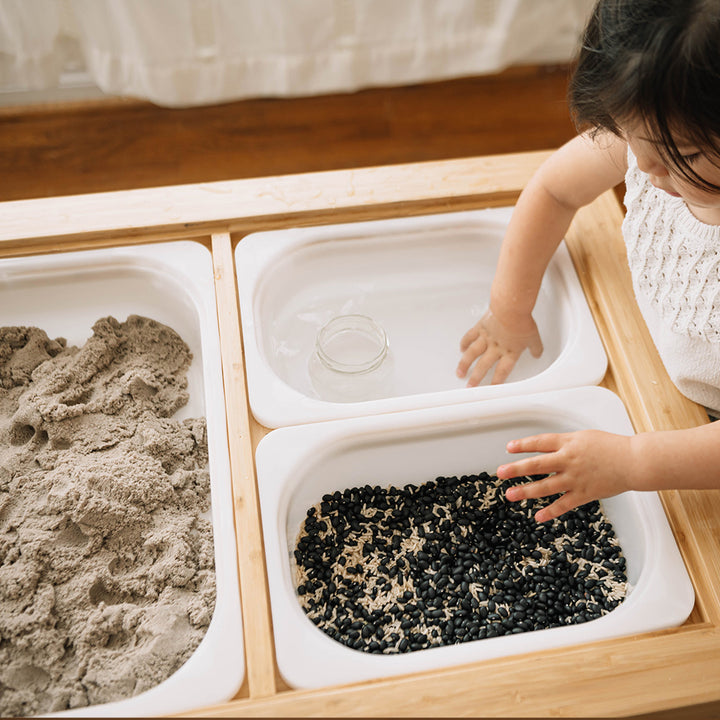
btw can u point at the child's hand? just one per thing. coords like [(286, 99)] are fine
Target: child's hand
[(490, 342), (587, 465)]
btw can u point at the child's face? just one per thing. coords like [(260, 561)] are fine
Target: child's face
[(666, 177)]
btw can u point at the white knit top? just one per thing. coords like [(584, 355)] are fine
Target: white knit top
[(675, 264)]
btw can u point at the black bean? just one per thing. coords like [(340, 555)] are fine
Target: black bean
[(470, 567), (368, 630)]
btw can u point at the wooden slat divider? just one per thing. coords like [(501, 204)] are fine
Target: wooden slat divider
[(243, 206), (257, 627), (616, 678)]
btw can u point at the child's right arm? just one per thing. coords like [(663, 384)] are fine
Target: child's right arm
[(572, 177)]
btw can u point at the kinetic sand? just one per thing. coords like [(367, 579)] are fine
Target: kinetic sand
[(107, 581)]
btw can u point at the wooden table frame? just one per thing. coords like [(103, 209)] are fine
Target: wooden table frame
[(643, 674)]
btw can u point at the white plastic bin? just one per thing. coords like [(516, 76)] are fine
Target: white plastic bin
[(65, 294), (425, 281), (297, 465)]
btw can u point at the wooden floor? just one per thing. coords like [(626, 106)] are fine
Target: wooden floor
[(121, 144)]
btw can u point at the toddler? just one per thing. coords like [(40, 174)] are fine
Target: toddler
[(646, 90)]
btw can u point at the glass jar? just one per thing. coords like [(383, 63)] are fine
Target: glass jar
[(351, 362)]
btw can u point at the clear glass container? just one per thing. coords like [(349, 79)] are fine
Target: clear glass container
[(352, 361)]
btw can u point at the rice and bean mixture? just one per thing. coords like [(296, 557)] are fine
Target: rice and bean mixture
[(393, 570)]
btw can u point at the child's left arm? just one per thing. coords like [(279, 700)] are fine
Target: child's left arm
[(590, 464)]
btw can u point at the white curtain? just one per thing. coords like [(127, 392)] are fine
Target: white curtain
[(190, 52)]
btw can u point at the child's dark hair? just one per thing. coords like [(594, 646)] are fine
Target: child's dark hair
[(656, 62)]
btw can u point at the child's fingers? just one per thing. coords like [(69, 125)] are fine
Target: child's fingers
[(536, 347), (563, 504), (476, 349), (542, 488), (544, 443), (544, 464), (536, 489), (503, 368), (469, 337), (482, 366)]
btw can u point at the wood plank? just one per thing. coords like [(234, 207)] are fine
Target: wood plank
[(104, 146), (695, 518), (642, 674), (242, 206), (257, 629)]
